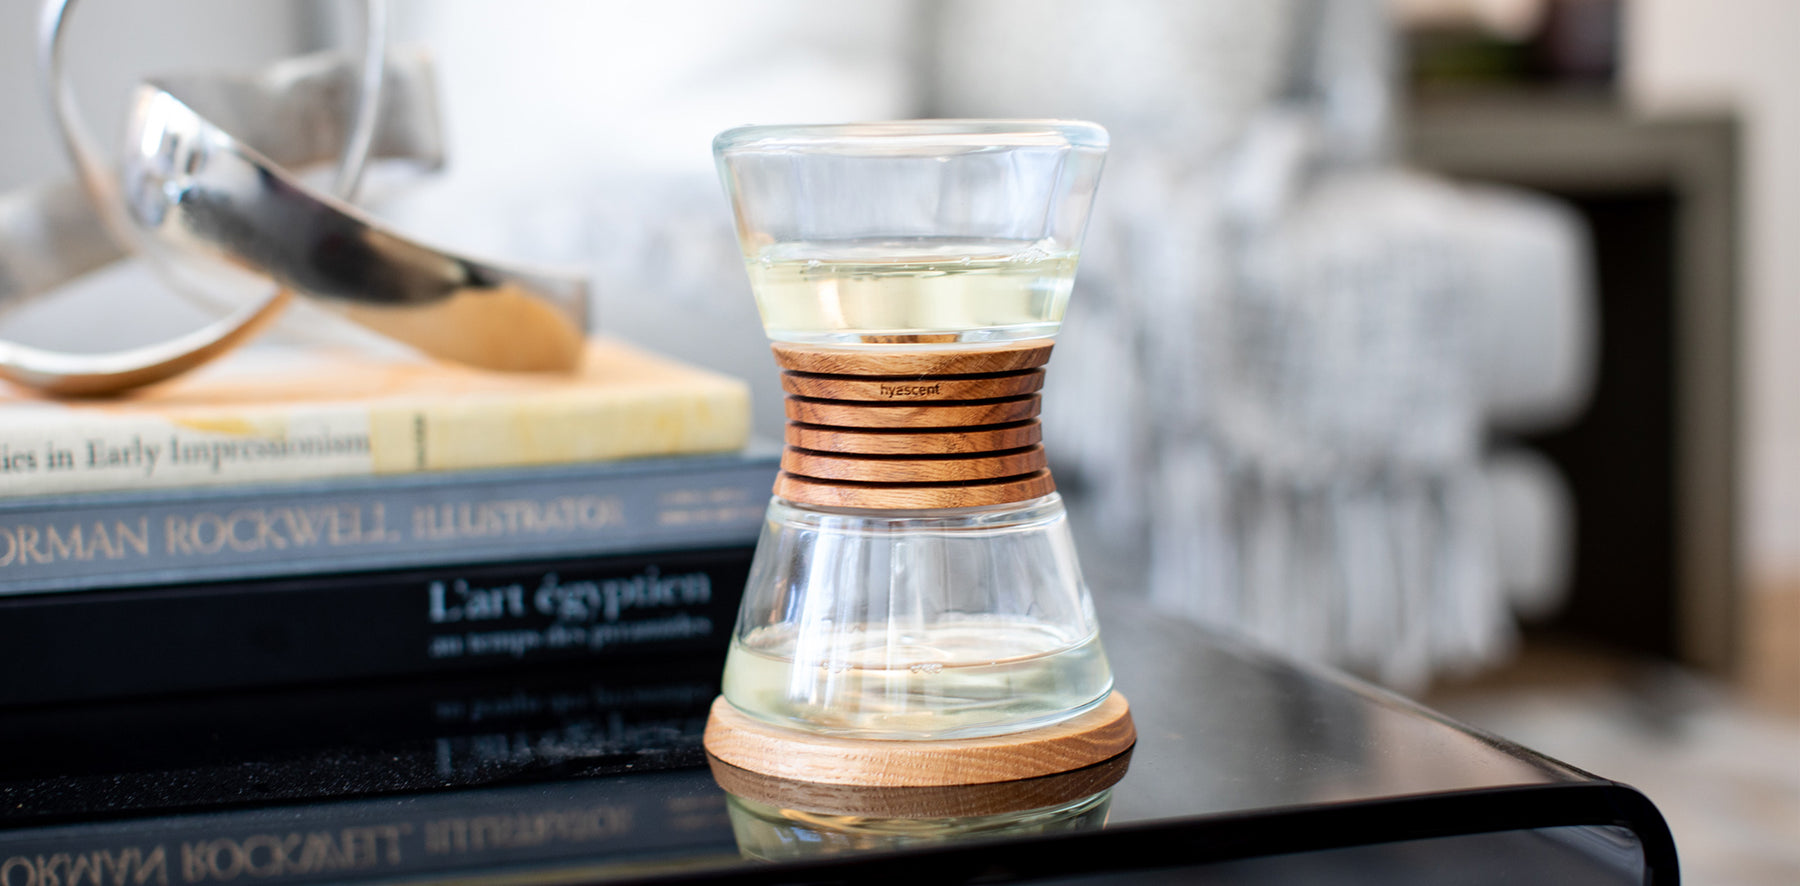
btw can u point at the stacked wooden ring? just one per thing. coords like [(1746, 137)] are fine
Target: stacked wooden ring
[(895, 429)]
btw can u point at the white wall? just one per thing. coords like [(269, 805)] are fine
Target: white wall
[(1745, 55), (580, 133), (113, 43)]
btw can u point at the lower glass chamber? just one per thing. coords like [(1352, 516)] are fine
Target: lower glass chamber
[(890, 624)]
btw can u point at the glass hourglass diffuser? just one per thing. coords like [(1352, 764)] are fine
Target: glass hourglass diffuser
[(915, 580)]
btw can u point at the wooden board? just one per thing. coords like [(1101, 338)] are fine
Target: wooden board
[(905, 389), (905, 361), (1092, 737), (874, 469), (854, 441), (912, 496), (842, 414)]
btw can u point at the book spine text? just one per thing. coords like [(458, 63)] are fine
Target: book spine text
[(64, 647), (81, 542)]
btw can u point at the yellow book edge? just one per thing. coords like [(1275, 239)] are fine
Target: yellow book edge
[(278, 414)]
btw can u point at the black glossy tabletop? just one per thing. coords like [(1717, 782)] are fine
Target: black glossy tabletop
[(1243, 761)]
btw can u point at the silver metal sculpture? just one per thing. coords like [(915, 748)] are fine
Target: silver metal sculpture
[(227, 224)]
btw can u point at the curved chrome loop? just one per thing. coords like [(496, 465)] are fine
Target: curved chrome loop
[(214, 215), (93, 374), (233, 212), (297, 110)]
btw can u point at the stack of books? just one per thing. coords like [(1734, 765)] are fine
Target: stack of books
[(291, 517)]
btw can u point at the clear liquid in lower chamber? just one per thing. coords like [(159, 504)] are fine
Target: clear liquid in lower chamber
[(917, 290), (980, 676)]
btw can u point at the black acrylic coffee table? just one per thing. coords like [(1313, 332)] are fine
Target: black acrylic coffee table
[(1247, 769)]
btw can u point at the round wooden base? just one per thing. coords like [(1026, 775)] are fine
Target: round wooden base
[(936, 801), (1092, 737)]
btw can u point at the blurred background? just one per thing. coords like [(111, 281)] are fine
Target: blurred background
[(1447, 341)]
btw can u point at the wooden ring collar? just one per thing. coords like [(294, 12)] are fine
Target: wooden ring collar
[(889, 428)]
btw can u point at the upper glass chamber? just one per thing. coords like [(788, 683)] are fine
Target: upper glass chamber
[(927, 232)]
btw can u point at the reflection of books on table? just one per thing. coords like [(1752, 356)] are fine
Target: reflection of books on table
[(270, 415), (477, 741), (574, 831)]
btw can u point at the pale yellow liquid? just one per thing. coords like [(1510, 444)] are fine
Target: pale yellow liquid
[(976, 291), (955, 680)]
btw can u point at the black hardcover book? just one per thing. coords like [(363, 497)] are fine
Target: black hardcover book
[(91, 645)]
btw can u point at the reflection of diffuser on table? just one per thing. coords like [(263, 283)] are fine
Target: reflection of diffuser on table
[(775, 819), (916, 585)]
